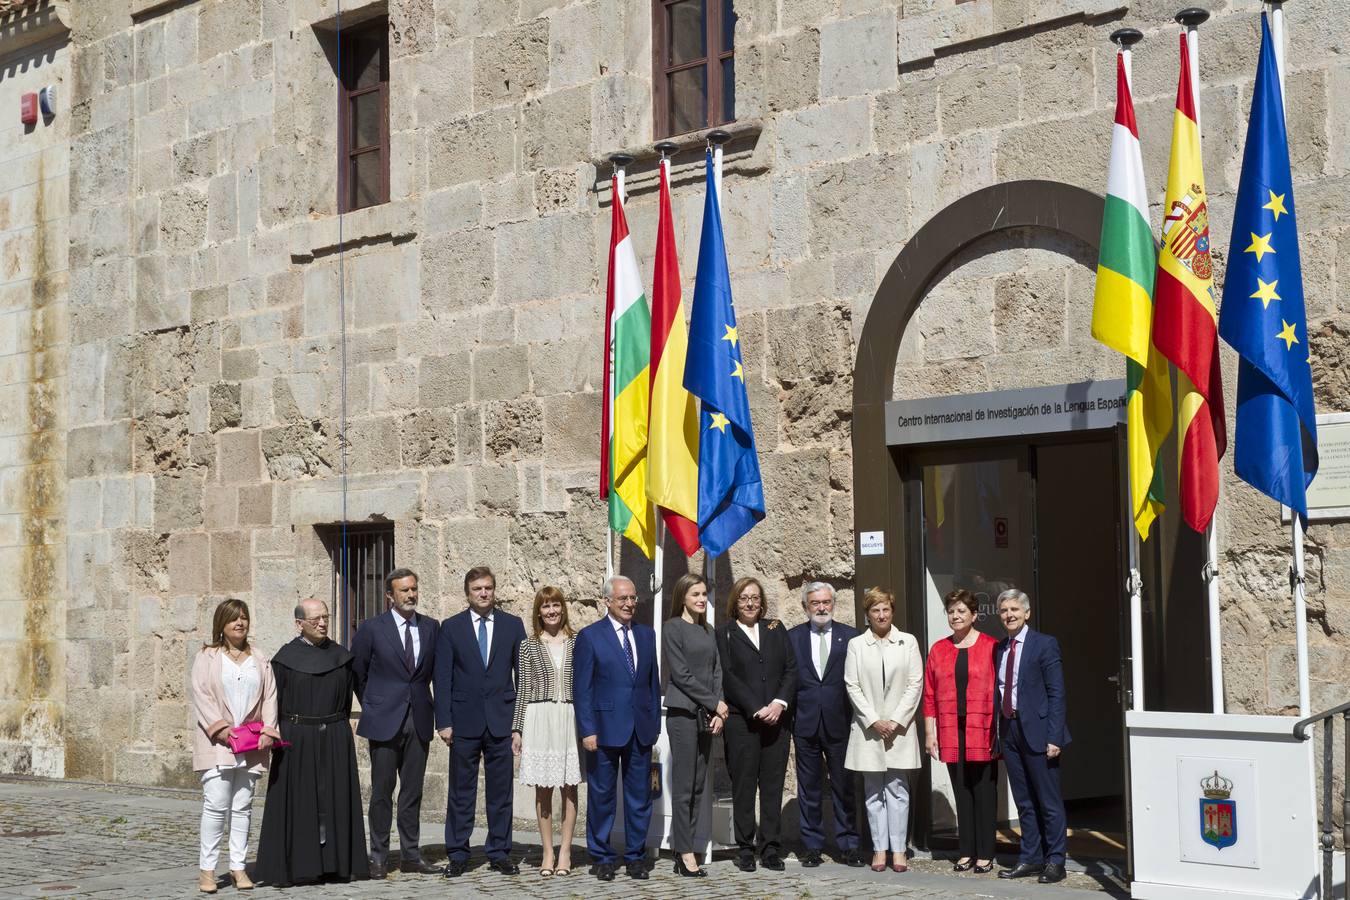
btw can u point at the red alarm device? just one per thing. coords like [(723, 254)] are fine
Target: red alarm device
[(28, 108)]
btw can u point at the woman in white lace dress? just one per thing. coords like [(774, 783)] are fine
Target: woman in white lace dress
[(549, 756)]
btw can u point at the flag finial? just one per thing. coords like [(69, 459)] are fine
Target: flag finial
[(1125, 38), (1192, 16)]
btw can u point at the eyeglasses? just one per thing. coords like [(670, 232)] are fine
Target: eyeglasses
[(315, 620), (750, 598)]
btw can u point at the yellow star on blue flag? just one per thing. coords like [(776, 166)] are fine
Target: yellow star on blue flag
[(1275, 449)]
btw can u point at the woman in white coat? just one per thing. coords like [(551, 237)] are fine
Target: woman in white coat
[(883, 673)]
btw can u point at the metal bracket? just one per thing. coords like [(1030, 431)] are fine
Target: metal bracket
[(1209, 572)]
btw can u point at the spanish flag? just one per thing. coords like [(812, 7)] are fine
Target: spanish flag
[(623, 455), (672, 476), (1185, 324), (1122, 311)]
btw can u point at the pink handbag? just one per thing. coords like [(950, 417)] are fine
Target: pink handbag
[(244, 738)]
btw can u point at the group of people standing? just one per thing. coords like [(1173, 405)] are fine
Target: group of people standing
[(588, 703)]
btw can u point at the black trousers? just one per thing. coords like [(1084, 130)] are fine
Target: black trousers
[(975, 786), (757, 760), (403, 760)]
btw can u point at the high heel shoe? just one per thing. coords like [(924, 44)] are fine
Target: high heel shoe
[(206, 881), (685, 872), (984, 869), (241, 880)]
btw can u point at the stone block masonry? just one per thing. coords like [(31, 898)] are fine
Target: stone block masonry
[(172, 341)]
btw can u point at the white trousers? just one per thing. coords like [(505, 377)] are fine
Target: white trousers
[(226, 791), (887, 797)]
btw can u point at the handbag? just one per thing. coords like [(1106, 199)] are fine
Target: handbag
[(244, 738), (704, 720)]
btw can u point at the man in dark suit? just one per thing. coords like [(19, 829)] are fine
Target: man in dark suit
[(1032, 732), (820, 726), (616, 691), (477, 655), (392, 657)]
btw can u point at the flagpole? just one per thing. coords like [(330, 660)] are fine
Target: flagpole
[(1125, 39), (620, 162), (1297, 583), (1191, 18), (659, 559)]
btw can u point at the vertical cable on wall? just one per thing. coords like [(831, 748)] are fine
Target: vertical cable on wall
[(343, 561)]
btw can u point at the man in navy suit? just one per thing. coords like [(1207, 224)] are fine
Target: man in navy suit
[(820, 729), (477, 654), (616, 692), (392, 657), (1033, 733)]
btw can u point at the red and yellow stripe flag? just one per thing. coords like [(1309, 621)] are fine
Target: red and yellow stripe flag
[(1185, 325), (672, 451)]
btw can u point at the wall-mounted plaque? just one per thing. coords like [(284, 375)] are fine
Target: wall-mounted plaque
[(1329, 493)]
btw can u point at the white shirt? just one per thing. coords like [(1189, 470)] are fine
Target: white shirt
[(475, 618), (410, 624), (815, 634), (1021, 639), (632, 641), (241, 682)]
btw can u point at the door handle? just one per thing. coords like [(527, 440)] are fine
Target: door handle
[(1114, 679)]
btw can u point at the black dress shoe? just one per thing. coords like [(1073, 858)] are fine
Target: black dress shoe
[(772, 863), (809, 859), (685, 872), (1021, 870), (636, 869), (417, 867), (455, 868), (855, 859), (1051, 874), (603, 871), (745, 862), (378, 870), (504, 865)]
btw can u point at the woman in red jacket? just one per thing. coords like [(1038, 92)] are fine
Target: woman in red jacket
[(958, 709)]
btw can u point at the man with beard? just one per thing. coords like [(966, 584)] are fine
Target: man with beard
[(312, 828), (393, 658), (820, 727)]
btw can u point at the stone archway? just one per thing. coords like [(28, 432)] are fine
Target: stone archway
[(878, 504)]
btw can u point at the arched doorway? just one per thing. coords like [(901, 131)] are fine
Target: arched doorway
[(1036, 477)]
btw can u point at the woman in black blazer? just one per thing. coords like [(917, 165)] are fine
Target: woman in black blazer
[(759, 679)]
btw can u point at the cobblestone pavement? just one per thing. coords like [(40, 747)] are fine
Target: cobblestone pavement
[(83, 840)]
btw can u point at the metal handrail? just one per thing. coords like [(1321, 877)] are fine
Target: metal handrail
[(1328, 842)]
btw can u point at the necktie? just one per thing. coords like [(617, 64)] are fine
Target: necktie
[(824, 654), (409, 657), (482, 640), (628, 652), (1008, 673)]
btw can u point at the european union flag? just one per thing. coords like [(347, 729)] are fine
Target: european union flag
[(730, 493), (1263, 316)]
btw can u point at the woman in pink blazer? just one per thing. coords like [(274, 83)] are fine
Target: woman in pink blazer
[(231, 685)]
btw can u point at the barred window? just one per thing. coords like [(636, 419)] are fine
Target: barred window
[(361, 558)]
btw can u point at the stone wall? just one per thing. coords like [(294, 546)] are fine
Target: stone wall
[(34, 271), (208, 289)]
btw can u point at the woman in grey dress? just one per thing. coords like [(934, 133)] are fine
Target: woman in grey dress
[(693, 696)]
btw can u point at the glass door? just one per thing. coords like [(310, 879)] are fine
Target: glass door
[(978, 534)]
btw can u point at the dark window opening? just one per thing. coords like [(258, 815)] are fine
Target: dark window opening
[(694, 65), (363, 116), (360, 561)]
